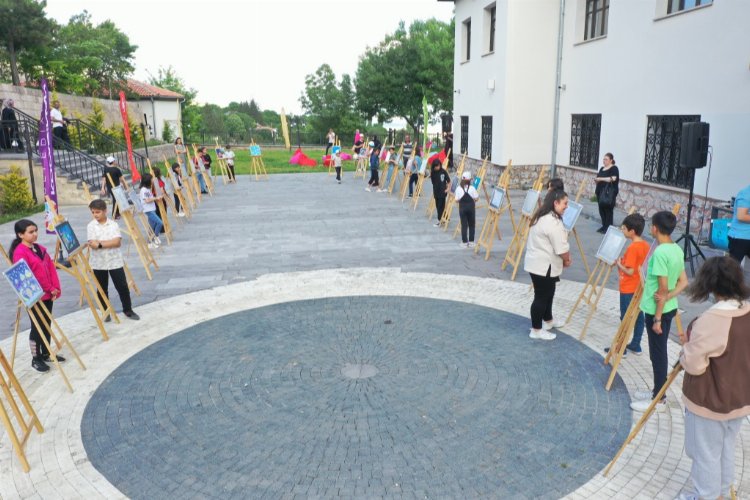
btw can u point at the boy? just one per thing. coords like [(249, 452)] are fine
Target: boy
[(337, 164), (391, 161), (665, 280), (629, 265), (104, 240), (374, 166)]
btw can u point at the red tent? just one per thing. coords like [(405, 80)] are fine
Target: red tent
[(300, 158)]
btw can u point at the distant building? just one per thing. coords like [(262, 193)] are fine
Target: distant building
[(627, 75), (160, 106)]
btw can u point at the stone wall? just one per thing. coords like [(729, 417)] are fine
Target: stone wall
[(647, 198)]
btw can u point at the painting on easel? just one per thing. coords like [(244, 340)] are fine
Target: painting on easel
[(611, 246), (530, 202), (24, 283), (121, 198), (498, 195), (255, 150), (571, 214), (135, 199), (68, 238)]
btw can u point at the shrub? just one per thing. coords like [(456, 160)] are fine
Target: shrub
[(15, 195), (167, 135)]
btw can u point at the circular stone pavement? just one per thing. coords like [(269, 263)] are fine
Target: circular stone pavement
[(357, 396)]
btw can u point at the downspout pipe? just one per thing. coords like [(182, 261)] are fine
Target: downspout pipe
[(558, 90)]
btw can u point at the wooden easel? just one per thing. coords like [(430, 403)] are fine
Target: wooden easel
[(194, 176), (161, 204), (181, 192), (19, 308), (592, 292), (450, 202), (521, 235), (575, 232), (480, 175), (139, 215), (491, 227), (396, 170), (206, 173), (26, 424), (404, 187), (257, 167), (360, 168), (223, 167)]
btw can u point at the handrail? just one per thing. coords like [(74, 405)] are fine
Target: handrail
[(93, 141)]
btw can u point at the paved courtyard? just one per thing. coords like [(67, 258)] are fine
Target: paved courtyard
[(304, 338)]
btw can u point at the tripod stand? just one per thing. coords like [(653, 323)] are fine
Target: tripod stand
[(689, 243)]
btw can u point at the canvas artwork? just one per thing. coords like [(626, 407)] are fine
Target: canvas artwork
[(168, 188), (255, 150), (530, 203), (571, 214), (136, 200), (498, 195), (68, 237), (121, 197), (644, 266), (476, 182), (219, 152), (334, 149), (611, 246), (24, 283)]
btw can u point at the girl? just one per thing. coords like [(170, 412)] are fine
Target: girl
[(467, 196), (547, 253), (374, 166), (24, 246), (413, 169), (149, 208), (178, 180), (180, 152), (608, 174), (229, 158), (331, 138), (715, 358)]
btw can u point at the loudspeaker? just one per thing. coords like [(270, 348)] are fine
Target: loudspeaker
[(694, 145)]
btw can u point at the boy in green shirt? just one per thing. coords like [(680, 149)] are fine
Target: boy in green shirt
[(665, 280)]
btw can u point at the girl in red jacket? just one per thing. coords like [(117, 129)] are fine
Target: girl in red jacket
[(40, 262)]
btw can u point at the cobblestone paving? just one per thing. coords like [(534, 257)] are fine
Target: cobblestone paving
[(357, 396)]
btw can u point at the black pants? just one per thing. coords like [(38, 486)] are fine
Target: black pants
[(607, 214), (231, 172), (328, 147), (115, 210), (61, 133), (177, 205), (338, 173), (739, 249), (121, 285), (657, 348), (468, 216), (373, 177), (35, 340), (440, 205), (413, 178), (544, 294)]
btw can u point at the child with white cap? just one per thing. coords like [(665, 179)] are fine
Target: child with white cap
[(111, 172), (467, 195)]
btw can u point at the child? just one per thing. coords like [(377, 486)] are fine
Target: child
[(467, 197), (413, 169), (337, 164), (665, 280), (206, 158), (441, 184), (149, 208), (178, 179), (25, 247), (374, 165), (104, 240), (714, 356), (555, 183), (198, 171), (629, 265), (392, 161), (229, 158)]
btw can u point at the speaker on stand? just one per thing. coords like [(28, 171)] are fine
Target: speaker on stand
[(693, 155)]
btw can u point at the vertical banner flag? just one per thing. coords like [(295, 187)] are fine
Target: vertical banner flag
[(425, 151), (46, 154), (135, 175), (285, 129)]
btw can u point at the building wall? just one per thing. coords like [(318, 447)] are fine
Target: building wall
[(160, 111)]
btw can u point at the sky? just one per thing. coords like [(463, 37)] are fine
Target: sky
[(237, 50)]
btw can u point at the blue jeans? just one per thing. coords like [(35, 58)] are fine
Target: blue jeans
[(155, 222), (201, 181), (635, 344)]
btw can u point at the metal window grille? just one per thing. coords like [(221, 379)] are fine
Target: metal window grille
[(487, 137), (493, 12), (585, 131), (597, 12), (464, 134), (662, 162)]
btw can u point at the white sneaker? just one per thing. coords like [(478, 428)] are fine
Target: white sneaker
[(157, 241), (541, 335), (381, 190), (367, 189), (152, 246), (463, 245), (643, 395), (643, 405), (437, 224), (180, 214), (471, 244), (549, 325)]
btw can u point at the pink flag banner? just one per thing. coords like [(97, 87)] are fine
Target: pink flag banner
[(135, 175), (46, 154)]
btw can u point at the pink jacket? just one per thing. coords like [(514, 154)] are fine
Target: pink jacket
[(43, 268)]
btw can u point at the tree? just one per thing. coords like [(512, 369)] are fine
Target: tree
[(392, 77), (328, 103), (192, 118), (24, 27), (213, 119), (234, 125), (167, 135)]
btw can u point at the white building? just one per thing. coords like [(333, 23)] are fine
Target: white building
[(630, 73), (161, 106)]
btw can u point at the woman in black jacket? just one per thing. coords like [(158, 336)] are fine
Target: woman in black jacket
[(607, 177)]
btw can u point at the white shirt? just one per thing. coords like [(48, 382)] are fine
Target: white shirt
[(547, 240), (56, 115), (472, 192), (145, 195), (104, 258), (229, 157)]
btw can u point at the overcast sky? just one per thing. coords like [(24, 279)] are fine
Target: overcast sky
[(235, 50)]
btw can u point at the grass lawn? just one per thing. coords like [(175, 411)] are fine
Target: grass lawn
[(21, 215), (277, 161)]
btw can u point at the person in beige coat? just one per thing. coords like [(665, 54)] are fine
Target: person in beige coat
[(716, 358)]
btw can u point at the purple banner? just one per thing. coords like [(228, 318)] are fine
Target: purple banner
[(46, 153)]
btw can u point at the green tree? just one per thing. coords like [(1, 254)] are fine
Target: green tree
[(192, 118), (24, 27), (392, 77), (329, 104), (213, 119), (15, 195), (167, 134)]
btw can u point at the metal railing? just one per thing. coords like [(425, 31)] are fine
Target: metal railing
[(86, 138)]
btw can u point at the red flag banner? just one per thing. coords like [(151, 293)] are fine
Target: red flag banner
[(136, 176)]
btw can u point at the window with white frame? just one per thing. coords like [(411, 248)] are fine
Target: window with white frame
[(674, 6), (466, 40), (597, 13), (489, 28)]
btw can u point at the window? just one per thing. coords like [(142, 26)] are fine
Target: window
[(584, 140), (466, 36), (680, 5), (489, 28), (464, 134), (662, 162), (597, 12), (486, 137)]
